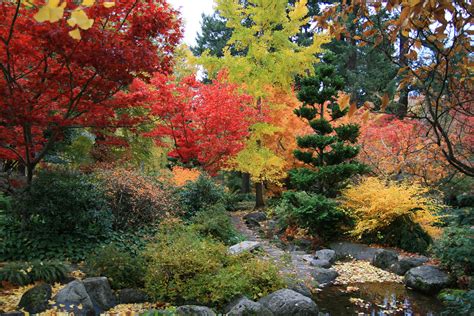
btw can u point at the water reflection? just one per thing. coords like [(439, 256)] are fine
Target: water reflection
[(376, 299)]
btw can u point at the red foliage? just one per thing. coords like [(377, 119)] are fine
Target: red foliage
[(207, 123), (50, 82)]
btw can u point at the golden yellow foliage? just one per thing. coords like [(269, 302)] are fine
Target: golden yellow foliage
[(376, 204), (182, 175)]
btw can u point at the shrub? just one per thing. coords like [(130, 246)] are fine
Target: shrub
[(186, 267), (216, 223), (63, 202), (455, 250), (376, 204), (315, 212), (136, 200), (23, 273), (120, 267), (457, 302), (196, 196)]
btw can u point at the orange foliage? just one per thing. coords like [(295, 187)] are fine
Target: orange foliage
[(182, 175)]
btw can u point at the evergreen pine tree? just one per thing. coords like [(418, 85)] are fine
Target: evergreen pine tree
[(330, 151)]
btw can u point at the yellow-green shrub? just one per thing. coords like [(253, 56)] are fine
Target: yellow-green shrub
[(186, 267), (375, 204)]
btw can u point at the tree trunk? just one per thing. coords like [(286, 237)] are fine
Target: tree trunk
[(402, 108), (29, 173), (245, 188), (259, 202)]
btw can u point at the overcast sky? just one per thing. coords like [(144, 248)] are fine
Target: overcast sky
[(191, 11)]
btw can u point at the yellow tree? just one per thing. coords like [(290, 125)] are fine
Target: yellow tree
[(262, 32)]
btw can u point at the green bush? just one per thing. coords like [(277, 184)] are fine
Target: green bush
[(22, 273), (216, 223), (120, 267), (196, 196), (455, 250), (62, 215), (315, 212), (457, 302), (184, 267)]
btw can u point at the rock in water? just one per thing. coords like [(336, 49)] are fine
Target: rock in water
[(324, 276), (320, 263), (244, 246), (100, 292), (301, 288), (132, 296), (427, 279), (194, 310), (73, 295), (383, 259), (403, 265), (326, 254), (287, 302), (36, 299), (244, 306)]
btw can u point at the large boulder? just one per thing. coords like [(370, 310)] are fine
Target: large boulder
[(288, 302), (244, 246), (100, 292), (74, 298), (256, 216), (36, 299), (132, 296), (321, 263), (194, 310), (427, 279), (404, 264), (326, 254), (242, 306), (301, 288), (383, 259), (324, 276)]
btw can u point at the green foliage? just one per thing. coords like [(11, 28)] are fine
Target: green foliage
[(215, 222), (319, 214), (121, 268), (186, 267), (457, 302), (455, 250), (23, 273), (328, 152), (197, 195)]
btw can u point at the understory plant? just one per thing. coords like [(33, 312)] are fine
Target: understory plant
[(399, 214), (185, 267), (23, 273)]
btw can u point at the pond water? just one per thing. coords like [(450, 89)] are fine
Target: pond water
[(376, 299)]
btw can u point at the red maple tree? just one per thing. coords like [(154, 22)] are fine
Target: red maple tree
[(50, 82), (207, 123)]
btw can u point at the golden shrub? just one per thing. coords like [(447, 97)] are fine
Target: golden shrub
[(376, 204)]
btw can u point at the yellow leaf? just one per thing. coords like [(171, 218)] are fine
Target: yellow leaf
[(88, 3), (343, 101), (75, 34), (51, 12), (352, 109), (80, 18), (385, 100), (109, 4), (365, 116)]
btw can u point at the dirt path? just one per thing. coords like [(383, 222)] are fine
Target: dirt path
[(295, 262)]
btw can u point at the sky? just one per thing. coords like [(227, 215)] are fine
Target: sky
[(191, 11)]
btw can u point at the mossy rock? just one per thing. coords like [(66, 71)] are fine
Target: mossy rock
[(36, 299)]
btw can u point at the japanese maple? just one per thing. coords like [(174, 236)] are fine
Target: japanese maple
[(51, 82)]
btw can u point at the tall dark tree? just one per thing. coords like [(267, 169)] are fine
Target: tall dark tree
[(213, 37), (330, 151)]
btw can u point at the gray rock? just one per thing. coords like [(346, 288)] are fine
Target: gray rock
[(244, 246), (383, 259), (404, 264), (326, 254), (132, 296), (251, 223), (301, 288), (36, 299), (73, 295), (14, 313), (256, 216), (242, 306), (324, 276), (427, 279), (354, 250), (100, 292), (320, 263), (194, 310), (288, 302)]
